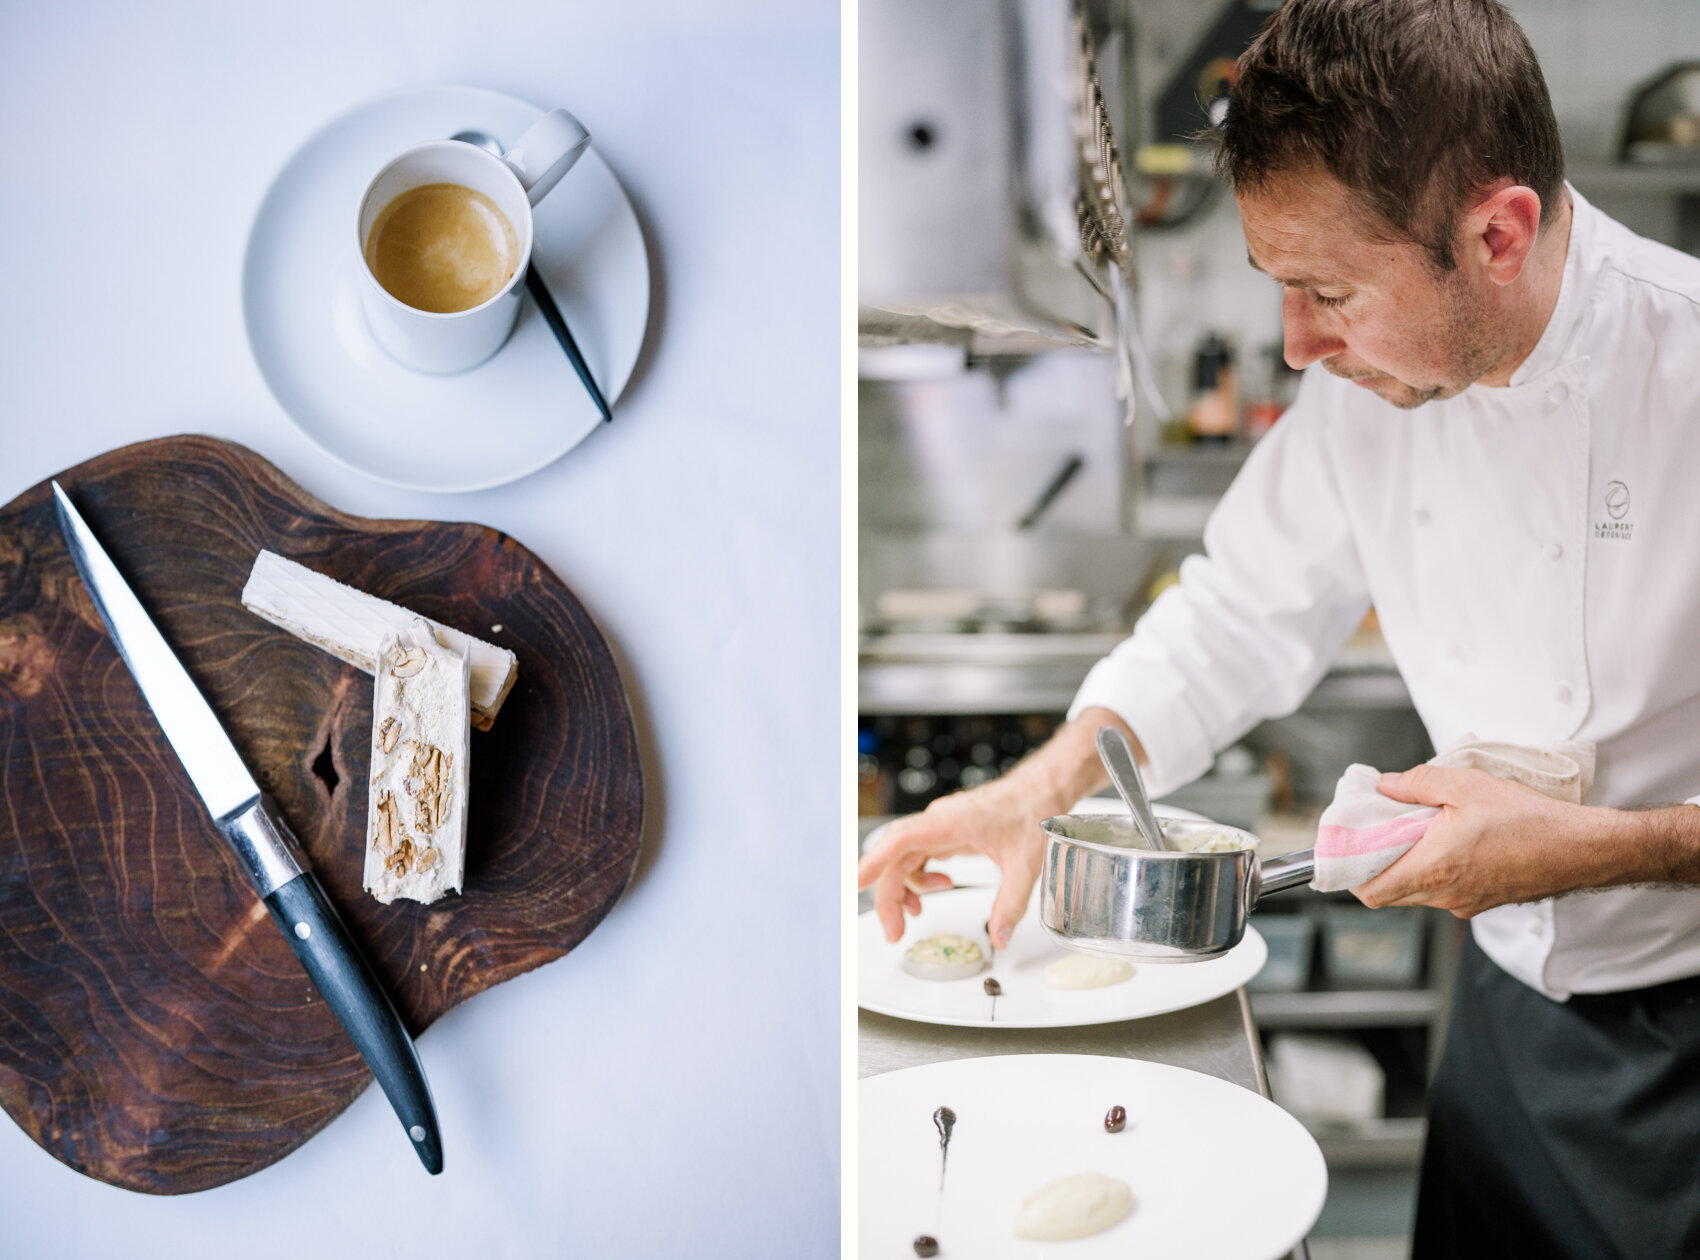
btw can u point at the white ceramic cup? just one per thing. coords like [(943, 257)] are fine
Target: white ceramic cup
[(452, 341)]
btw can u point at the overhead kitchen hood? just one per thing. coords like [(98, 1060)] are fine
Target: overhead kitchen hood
[(992, 208)]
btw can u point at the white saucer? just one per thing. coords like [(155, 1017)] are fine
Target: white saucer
[(515, 413)]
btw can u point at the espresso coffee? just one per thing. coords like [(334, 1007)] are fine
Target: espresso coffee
[(442, 248)]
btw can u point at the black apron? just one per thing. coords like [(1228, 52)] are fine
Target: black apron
[(1566, 1129)]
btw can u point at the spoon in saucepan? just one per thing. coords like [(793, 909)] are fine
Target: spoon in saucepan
[(1117, 755), (540, 294)]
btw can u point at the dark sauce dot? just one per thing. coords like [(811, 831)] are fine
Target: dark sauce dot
[(991, 986), (926, 1245), (1116, 1119)]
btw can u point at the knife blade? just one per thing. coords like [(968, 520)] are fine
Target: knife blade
[(262, 841)]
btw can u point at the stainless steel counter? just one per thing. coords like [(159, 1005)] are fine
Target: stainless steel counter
[(1217, 1038)]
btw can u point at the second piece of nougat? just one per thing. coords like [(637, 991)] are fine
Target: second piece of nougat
[(421, 739)]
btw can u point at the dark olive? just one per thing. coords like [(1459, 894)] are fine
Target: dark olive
[(926, 1245), (991, 986), (1116, 1119)]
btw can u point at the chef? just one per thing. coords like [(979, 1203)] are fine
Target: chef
[(1497, 444)]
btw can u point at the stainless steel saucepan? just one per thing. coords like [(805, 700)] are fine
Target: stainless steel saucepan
[(1102, 891)]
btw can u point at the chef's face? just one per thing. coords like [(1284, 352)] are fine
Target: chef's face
[(1373, 311)]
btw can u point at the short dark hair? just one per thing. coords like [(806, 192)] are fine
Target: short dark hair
[(1413, 105)]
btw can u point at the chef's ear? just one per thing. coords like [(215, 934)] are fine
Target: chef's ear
[(1501, 230)]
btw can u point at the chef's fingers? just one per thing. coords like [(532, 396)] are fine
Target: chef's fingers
[(1020, 873), (1376, 892), (1424, 785), (1379, 899), (909, 842), (924, 881), (879, 859), (889, 896), (911, 901), (1402, 884)]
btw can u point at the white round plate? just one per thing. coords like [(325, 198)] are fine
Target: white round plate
[(884, 987), (516, 412), (1216, 1171)]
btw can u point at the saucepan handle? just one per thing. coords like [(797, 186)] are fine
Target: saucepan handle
[(1288, 871)]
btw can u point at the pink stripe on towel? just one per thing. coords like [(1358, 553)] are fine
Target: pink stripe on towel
[(1334, 841)]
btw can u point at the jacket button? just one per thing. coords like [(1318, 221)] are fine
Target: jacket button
[(1554, 550), (1562, 694), (1420, 516), (1557, 394)]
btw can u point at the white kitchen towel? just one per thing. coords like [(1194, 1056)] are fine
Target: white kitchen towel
[(1362, 832)]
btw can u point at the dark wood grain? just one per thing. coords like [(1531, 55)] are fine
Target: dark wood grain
[(155, 1030)]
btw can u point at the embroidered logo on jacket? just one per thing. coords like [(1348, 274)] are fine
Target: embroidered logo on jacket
[(1617, 507)]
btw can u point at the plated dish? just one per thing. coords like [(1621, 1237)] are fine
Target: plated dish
[(1026, 999), (1211, 1169)]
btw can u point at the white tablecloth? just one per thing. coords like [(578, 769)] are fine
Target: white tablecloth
[(672, 1086)]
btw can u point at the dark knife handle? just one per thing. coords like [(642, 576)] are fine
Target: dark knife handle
[(557, 325), (315, 932)]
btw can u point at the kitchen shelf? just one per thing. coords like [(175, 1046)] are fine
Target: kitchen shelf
[(1663, 178), (1396, 1143), (962, 673), (1356, 1008), (1174, 517), (1656, 199)]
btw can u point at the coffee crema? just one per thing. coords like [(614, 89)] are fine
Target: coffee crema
[(442, 248)]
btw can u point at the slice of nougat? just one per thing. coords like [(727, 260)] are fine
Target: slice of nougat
[(421, 737), (351, 624)]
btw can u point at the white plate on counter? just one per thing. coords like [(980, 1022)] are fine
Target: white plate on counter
[(1154, 988), (521, 409), (1216, 1170)]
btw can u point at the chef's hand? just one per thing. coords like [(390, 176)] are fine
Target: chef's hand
[(1000, 819), (1495, 842), (995, 819)]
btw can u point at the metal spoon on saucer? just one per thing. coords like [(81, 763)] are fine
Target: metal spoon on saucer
[(1117, 755), (540, 294)]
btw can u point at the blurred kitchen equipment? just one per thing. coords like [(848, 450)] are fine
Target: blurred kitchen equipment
[(1213, 414), (1289, 937), (1664, 117), (1117, 755), (992, 208), (1057, 484), (1195, 98), (1372, 949), (1238, 790), (1100, 893), (540, 294), (1325, 1080)]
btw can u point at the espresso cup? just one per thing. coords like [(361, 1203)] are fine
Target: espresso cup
[(441, 223)]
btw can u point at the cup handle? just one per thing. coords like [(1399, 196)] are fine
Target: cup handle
[(546, 152)]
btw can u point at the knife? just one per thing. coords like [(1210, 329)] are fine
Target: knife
[(263, 843)]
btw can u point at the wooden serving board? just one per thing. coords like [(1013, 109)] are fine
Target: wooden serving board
[(155, 1030)]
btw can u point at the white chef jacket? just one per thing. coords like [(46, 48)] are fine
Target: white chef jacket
[(1533, 555)]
